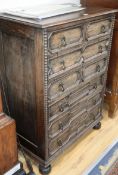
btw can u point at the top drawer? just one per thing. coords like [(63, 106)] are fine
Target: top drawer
[(63, 39), (99, 28)]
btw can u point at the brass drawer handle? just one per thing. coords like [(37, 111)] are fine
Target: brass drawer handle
[(63, 42), (82, 79), (98, 68), (105, 61), (94, 102), (95, 86), (100, 49), (61, 126), (59, 142), (61, 108), (63, 64), (67, 105), (103, 28), (80, 60), (61, 87)]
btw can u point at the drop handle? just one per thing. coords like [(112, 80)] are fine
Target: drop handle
[(95, 86), (100, 48), (94, 102), (61, 126), (62, 64), (61, 87), (59, 142), (98, 68), (103, 28), (63, 42), (61, 108)]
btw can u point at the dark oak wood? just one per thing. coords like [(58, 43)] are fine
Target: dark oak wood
[(112, 80), (54, 74), (102, 3)]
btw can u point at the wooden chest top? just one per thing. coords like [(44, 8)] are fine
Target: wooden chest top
[(61, 19)]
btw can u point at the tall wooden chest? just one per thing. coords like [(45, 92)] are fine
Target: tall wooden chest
[(54, 73)]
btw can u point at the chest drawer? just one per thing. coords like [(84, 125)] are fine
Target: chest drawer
[(59, 125), (59, 108), (63, 39), (94, 68), (95, 50), (61, 85), (59, 142), (99, 28), (65, 62)]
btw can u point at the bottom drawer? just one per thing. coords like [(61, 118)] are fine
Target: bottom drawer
[(59, 142)]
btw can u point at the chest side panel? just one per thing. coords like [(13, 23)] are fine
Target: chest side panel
[(20, 58)]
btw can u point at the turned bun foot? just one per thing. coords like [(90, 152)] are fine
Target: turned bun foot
[(98, 126), (44, 170)]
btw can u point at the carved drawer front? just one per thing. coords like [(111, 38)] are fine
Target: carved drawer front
[(89, 88), (59, 125), (78, 124), (94, 69), (79, 94), (65, 62), (58, 87), (95, 50), (78, 106), (98, 28), (59, 142), (58, 109), (63, 39)]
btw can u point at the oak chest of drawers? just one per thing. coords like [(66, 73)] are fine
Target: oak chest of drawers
[(54, 74)]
